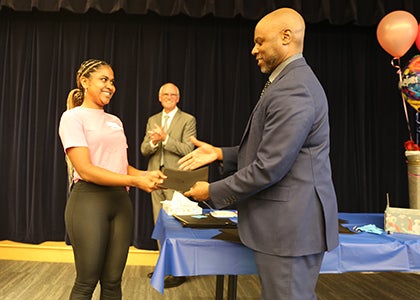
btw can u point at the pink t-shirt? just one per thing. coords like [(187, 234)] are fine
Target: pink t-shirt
[(101, 132)]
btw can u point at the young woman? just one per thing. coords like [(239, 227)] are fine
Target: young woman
[(98, 213)]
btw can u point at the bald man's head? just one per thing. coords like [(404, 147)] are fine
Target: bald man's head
[(278, 36)]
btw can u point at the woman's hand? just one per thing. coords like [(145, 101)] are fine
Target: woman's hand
[(150, 181)]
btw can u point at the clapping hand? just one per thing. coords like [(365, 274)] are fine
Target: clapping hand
[(157, 134)]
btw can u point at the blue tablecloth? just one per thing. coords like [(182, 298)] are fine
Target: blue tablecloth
[(190, 252)]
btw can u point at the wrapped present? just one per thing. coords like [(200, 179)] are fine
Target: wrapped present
[(402, 220)]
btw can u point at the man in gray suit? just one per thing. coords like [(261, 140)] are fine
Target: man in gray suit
[(287, 207), (167, 139)]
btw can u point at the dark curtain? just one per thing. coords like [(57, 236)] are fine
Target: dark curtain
[(358, 12), (209, 59)]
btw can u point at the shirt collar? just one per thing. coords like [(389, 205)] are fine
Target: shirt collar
[(171, 114), (281, 66)]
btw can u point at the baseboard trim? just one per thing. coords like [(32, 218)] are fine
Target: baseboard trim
[(60, 252)]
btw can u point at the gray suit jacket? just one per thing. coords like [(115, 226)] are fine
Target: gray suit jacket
[(182, 127), (283, 186)]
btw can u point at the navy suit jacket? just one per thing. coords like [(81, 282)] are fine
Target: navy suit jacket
[(283, 184)]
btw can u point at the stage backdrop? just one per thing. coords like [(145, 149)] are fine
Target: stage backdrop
[(206, 50)]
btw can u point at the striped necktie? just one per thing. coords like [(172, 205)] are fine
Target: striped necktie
[(265, 87), (165, 122)]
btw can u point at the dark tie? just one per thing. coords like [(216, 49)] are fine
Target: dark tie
[(265, 87)]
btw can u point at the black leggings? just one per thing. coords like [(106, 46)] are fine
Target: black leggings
[(99, 222)]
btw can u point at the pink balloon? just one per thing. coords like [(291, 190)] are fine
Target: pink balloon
[(397, 32), (418, 38)]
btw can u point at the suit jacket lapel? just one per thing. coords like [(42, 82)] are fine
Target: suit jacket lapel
[(174, 121), (158, 119), (249, 122), (248, 125), (293, 64)]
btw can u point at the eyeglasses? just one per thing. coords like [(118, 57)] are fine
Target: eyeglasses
[(169, 95)]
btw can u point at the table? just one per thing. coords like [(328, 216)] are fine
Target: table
[(191, 252)]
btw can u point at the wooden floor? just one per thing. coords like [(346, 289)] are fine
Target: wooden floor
[(32, 280)]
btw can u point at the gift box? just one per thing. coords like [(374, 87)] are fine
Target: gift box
[(402, 220), (413, 172)]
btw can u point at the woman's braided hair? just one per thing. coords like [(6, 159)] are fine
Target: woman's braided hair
[(76, 96)]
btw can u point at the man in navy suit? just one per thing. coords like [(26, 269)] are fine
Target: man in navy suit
[(282, 185)]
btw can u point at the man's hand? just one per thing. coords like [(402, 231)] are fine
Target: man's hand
[(199, 191), (157, 134), (203, 155)]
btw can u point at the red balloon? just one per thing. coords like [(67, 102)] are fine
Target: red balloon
[(418, 38), (397, 32)]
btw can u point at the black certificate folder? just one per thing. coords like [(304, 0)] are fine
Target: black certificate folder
[(182, 181), (204, 221)]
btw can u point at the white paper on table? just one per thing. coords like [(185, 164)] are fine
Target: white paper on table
[(181, 205)]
